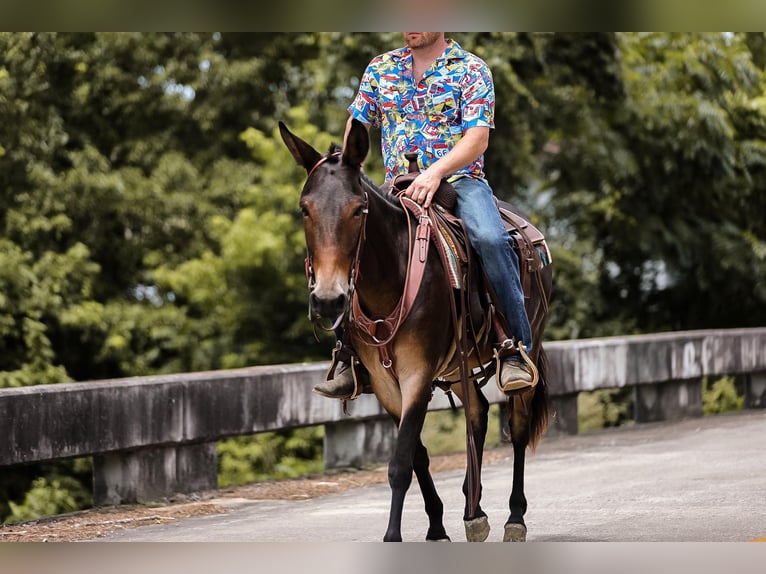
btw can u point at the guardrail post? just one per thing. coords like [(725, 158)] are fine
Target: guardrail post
[(563, 415), (672, 400), (152, 474), (356, 444), (755, 391)]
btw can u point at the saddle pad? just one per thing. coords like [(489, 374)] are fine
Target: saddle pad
[(450, 254), (545, 253), (450, 241)]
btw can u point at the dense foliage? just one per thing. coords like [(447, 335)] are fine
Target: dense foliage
[(148, 209)]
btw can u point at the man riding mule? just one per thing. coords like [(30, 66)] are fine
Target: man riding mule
[(435, 98), (412, 318), (367, 264)]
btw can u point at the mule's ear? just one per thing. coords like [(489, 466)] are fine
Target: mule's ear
[(357, 144), (304, 154)]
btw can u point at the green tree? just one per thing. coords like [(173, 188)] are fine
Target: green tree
[(148, 209), (642, 156)]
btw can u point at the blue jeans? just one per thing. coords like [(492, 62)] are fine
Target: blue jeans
[(477, 208)]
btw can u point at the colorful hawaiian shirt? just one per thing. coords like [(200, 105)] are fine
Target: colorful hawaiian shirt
[(431, 115)]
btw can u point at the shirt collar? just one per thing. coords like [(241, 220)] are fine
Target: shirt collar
[(453, 51)]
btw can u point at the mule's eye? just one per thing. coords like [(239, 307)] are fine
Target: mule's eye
[(304, 211), (360, 211)]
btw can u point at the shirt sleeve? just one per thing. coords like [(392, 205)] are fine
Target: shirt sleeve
[(478, 102), (365, 105)]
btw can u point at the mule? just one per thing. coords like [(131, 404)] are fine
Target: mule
[(358, 240)]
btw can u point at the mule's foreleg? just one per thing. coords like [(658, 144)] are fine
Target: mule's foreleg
[(433, 504), (400, 466)]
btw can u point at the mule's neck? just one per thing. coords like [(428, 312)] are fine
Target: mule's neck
[(383, 264)]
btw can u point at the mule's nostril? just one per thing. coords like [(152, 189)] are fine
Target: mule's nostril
[(313, 305), (327, 307), (340, 303)]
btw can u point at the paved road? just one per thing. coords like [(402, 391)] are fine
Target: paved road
[(696, 480)]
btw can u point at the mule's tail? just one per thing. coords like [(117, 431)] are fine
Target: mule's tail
[(541, 407)]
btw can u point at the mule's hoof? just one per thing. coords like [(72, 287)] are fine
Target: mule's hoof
[(515, 532), (437, 535), (477, 529)]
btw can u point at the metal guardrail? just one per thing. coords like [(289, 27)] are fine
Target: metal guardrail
[(154, 436)]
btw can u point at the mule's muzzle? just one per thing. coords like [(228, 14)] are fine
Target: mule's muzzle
[(327, 307)]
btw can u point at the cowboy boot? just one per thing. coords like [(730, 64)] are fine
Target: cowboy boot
[(514, 376), (341, 386), (346, 378), (516, 372)]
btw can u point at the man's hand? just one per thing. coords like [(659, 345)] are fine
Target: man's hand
[(423, 188), (467, 149)]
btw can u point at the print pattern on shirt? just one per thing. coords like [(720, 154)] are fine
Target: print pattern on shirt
[(431, 115)]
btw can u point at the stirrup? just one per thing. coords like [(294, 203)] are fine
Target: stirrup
[(344, 354), (506, 349), (341, 387)]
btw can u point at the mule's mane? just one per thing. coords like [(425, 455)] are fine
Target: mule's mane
[(333, 153), (393, 200)]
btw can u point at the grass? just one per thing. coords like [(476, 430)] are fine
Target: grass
[(444, 431)]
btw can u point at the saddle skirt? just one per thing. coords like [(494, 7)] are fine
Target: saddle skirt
[(529, 243)]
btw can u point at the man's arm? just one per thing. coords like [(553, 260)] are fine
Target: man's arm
[(473, 143)]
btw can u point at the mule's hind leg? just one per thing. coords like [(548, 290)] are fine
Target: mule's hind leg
[(515, 528), (476, 524), (433, 504)]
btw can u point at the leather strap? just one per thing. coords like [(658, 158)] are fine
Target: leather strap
[(418, 256), (460, 320), (320, 161)]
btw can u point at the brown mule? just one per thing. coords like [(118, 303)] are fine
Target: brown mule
[(360, 242)]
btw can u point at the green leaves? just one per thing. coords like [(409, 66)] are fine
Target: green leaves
[(44, 499), (662, 177), (148, 208), (32, 296), (270, 455)]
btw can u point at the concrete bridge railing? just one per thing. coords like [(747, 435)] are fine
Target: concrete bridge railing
[(151, 437)]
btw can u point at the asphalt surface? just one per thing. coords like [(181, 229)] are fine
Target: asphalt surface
[(697, 480)]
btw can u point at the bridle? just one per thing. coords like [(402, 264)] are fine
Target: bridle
[(368, 328), (353, 272)]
